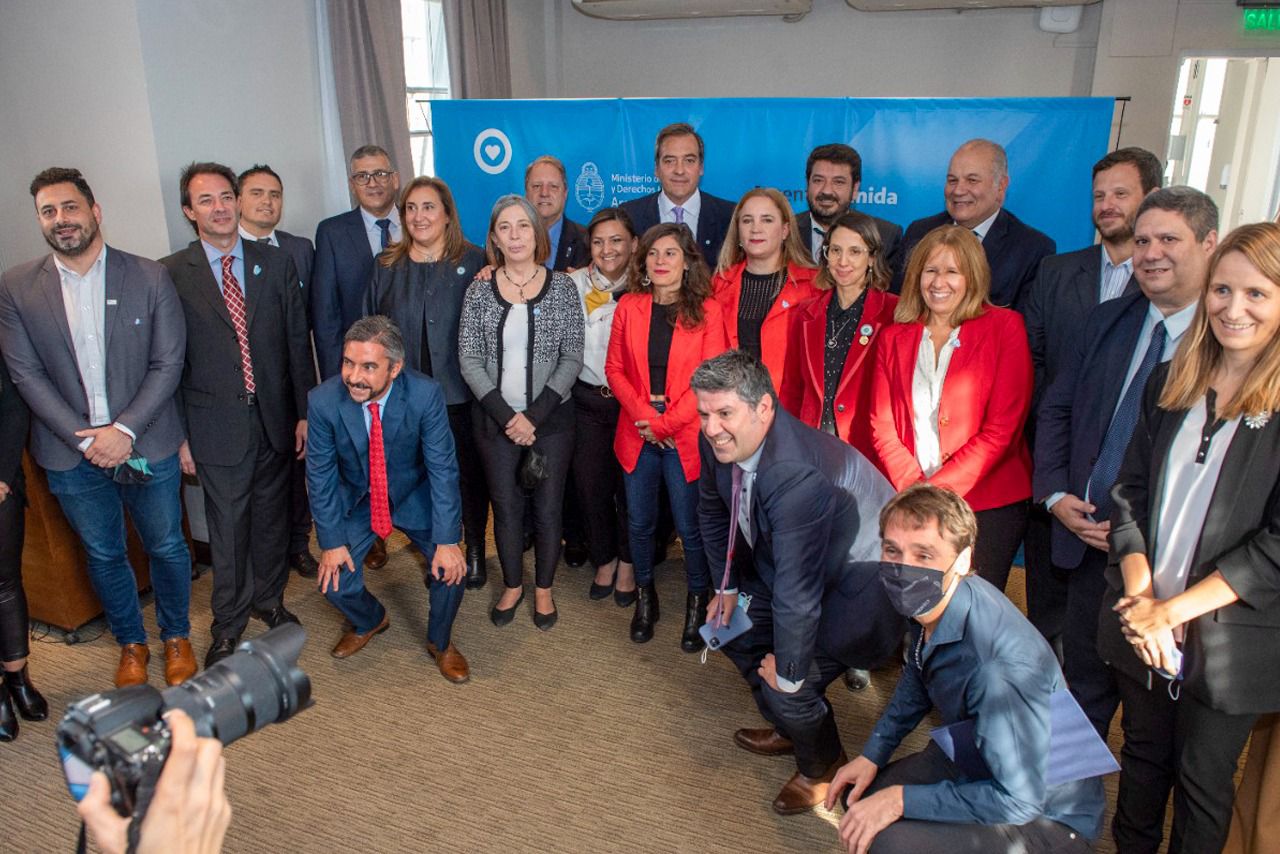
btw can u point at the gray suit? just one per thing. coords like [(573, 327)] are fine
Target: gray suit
[(145, 343)]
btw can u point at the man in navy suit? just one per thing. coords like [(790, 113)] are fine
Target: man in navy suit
[(546, 186), (1174, 235), (806, 507), (833, 177), (261, 207), (377, 409), (977, 179), (678, 160), (346, 245)]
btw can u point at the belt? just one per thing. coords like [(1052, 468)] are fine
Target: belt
[(602, 390)]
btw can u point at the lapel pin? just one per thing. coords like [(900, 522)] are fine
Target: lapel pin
[(786, 304), (111, 302), (256, 269), (462, 271), (137, 321), (865, 330)]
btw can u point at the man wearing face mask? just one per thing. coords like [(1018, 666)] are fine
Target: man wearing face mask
[(973, 656)]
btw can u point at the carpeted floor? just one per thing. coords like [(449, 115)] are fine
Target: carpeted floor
[(574, 740)]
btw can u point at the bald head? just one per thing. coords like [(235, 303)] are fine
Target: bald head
[(977, 179)]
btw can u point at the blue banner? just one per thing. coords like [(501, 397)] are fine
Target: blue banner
[(482, 148)]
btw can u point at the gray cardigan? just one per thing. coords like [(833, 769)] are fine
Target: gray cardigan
[(555, 345)]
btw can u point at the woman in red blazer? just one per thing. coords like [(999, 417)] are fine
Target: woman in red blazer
[(663, 328), (951, 392), (828, 374), (762, 276)]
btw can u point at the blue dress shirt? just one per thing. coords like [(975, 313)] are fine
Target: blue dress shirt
[(214, 254), (553, 235)]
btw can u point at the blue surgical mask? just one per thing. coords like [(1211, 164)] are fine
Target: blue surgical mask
[(916, 590)]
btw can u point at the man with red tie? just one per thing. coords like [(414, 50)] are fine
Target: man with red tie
[(381, 455)]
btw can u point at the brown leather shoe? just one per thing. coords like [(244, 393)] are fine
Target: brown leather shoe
[(351, 643), (765, 742), (179, 661), (451, 663), (802, 793), (377, 555), (133, 665)]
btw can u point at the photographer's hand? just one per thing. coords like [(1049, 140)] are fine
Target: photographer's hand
[(189, 812)]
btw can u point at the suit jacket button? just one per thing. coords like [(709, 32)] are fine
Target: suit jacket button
[(840, 407), (943, 420)]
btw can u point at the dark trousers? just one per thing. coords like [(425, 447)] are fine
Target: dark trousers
[(365, 612), (247, 505), (299, 508), (1000, 531), (1208, 744), (804, 716), (1046, 583), (597, 477), (1091, 681), (913, 836), (501, 458), (1148, 760), (471, 479), (13, 600)]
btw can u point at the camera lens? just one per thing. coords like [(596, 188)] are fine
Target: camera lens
[(260, 684)]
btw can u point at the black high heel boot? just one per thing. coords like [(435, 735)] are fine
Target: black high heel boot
[(646, 613), (26, 699), (695, 614), (477, 573), (8, 720)]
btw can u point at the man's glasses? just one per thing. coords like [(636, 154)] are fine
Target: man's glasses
[(381, 176)]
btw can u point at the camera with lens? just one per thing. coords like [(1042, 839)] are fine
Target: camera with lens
[(122, 733)]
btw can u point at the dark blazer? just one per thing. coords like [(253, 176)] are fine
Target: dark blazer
[(890, 238), (1076, 410), (713, 221), (574, 251), (422, 466), (212, 391), (302, 253), (343, 267), (439, 305), (14, 421), (145, 343), (815, 511), (1232, 654), (1014, 251)]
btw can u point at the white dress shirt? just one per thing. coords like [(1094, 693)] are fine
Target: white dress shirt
[(926, 397), (374, 233), (270, 238), (85, 299), (983, 227), (692, 207)]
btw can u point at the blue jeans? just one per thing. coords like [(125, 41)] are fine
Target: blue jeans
[(655, 466), (94, 504)]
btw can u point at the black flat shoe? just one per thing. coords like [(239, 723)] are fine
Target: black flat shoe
[(477, 573), (646, 613), (624, 598), (222, 648), (503, 616), (546, 621), (26, 699), (695, 614), (8, 720), (305, 564)]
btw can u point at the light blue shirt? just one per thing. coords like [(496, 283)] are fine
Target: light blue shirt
[(215, 254), (1114, 277), (553, 234), (382, 408)]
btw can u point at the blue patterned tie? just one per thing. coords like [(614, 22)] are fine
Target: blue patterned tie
[(385, 225), (1120, 432)]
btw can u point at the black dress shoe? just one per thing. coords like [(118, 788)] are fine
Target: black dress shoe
[(857, 679), (695, 614), (277, 616), (26, 699), (222, 648), (600, 591), (504, 616), (8, 720), (477, 573), (646, 613), (575, 553), (624, 598), (305, 564)]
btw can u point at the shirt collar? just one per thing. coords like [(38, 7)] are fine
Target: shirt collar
[(275, 241), (951, 625), (692, 206), (983, 227), (751, 463), (94, 269), (214, 254), (382, 401), (1107, 266), (1176, 323), (371, 221)]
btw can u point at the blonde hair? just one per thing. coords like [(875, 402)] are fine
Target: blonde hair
[(793, 251), (1200, 353), (972, 262)]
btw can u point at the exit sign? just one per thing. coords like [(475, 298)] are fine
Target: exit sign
[(1262, 19)]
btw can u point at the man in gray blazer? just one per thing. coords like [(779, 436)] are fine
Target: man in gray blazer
[(243, 397), (106, 442)]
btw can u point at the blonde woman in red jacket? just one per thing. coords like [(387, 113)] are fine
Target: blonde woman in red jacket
[(663, 328), (763, 275), (951, 392)]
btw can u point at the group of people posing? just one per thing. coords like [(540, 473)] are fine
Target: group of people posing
[(851, 429)]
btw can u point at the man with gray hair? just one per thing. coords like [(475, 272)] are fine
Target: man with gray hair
[(977, 179), (788, 515), (381, 455)]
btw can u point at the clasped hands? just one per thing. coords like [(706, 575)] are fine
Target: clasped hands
[(646, 433), (110, 447), (1148, 626), (520, 430)]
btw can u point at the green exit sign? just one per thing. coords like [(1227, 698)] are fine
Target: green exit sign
[(1262, 19)]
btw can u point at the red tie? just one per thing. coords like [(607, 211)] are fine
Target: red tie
[(379, 505), (235, 307)]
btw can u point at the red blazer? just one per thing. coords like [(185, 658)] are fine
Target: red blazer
[(986, 396), (727, 288), (802, 385), (626, 367)]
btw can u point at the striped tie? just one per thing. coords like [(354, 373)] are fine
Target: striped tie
[(235, 307)]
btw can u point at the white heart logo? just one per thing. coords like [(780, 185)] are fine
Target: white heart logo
[(492, 150)]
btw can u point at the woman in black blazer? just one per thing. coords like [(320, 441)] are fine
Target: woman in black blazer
[(419, 282), (1195, 536)]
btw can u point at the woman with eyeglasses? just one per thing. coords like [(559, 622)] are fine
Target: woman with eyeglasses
[(828, 372), (664, 327)]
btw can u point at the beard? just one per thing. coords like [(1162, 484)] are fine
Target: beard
[(825, 202), (76, 243), (1121, 233)]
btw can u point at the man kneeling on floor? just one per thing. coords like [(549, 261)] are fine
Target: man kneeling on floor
[(974, 657)]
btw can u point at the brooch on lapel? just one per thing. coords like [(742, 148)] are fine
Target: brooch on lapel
[(865, 334), (1257, 420), (462, 271), (257, 270)]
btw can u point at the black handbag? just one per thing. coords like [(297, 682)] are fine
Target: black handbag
[(533, 468)]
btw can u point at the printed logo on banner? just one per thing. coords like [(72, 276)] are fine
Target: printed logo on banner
[(492, 151), (589, 188)]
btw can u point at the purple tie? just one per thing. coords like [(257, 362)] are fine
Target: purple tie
[(679, 212)]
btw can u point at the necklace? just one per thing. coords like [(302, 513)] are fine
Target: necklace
[(833, 331), (919, 646), (520, 286), (427, 257)]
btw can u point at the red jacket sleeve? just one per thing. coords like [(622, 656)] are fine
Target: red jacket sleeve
[(635, 403), (896, 460)]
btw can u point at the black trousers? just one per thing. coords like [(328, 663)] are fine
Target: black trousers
[(1046, 583), (501, 458), (299, 508), (471, 477), (1208, 744), (13, 600), (1148, 761), (914, 836), (1000, 532), (247, 505), (1091, 681), (597, 476)]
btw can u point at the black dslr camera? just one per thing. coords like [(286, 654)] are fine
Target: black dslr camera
[(122, 733)]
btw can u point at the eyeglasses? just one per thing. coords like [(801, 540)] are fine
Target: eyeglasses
[(381, 176), (837, 253)]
